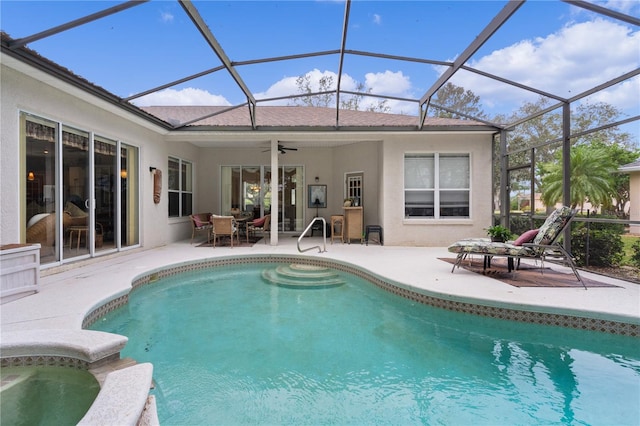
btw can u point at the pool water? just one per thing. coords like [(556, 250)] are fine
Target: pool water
[(230, 348), (46, 395)]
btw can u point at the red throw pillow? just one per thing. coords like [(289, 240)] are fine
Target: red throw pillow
[(259, 222), (526, 237), (198, 222)]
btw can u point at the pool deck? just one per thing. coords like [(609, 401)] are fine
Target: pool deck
[(69, 292)]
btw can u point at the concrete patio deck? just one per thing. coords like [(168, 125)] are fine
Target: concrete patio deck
[(70, 291)]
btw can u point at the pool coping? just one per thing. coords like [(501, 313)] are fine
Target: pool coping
[(85, 349), (535, 314)]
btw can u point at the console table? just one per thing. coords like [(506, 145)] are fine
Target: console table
[(353, 223)]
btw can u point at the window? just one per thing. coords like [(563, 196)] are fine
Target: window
[(180, 187), (436, 185)]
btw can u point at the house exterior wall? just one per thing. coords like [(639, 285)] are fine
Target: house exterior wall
[(379, 155), (401, 231), (32, 92)]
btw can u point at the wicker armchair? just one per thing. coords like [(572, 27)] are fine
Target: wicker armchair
[(224, 226), (200, 223)]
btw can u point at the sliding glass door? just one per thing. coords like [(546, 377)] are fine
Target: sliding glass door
[(249, 189), (80, 197), (75, 192)]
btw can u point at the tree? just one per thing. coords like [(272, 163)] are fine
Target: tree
[(458, 99), (539, 131), (619, 155), (305, 86), (326, 96), (591, 177)]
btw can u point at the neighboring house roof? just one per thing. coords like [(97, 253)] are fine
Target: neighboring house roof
[(298, 116), (631, 167)]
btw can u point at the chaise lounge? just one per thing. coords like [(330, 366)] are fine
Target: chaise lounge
[(544, 245)]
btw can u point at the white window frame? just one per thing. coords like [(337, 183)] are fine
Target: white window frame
[(182, 212), (436, 190)]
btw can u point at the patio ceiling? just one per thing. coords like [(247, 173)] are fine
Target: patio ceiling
[(213, 60)]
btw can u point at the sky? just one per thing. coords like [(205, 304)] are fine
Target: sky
[(549, 45)]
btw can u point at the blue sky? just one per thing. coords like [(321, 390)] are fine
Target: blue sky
[(550, 45)]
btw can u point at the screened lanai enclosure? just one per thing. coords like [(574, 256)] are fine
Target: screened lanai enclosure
[(547, 76)]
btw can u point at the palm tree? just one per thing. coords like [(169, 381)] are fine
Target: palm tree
[(592, 174)]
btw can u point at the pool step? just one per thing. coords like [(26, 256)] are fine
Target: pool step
[(100, 372), (302, 276)]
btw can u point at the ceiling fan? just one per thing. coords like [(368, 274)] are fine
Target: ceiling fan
[(283, 149)]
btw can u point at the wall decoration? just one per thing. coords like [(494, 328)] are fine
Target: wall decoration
[(317, 196)]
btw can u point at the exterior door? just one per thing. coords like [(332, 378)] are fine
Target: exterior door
[(105, 187), (79, 196), (76, 195), (354, 188)]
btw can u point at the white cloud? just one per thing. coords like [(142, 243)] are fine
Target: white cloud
[(575, 58), (377, 19), (389, 83), (166, 17), (187, 96), (384, 83), (623, 6), (565, 63)]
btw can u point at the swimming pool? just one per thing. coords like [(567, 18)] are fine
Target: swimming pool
[(228, 348)]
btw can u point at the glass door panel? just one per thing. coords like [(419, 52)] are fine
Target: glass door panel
[(129, 196), (40, 223), (75, 192), (266, 191), (251, 190), (106, 185), (290, 196)]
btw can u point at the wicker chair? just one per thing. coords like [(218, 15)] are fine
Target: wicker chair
[(200, 223), (224, 226), (263, 225)]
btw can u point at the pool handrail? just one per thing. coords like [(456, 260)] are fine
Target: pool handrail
[(324, 236)]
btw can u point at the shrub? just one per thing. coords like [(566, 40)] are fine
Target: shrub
[(635, 253), (605, 245)]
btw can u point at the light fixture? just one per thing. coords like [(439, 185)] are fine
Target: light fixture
[(30, 176), (123, 174), (317, 179), (152, 169)]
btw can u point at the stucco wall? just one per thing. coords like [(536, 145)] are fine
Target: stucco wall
[(32, 94), (430, 232), (380, 156)]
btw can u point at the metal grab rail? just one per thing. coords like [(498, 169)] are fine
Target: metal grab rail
[(324, 236)]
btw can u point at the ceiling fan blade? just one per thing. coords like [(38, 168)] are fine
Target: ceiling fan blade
[(282, 149)]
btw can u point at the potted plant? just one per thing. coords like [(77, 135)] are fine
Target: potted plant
[(499, 233)]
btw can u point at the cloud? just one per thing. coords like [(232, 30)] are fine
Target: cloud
[(389, 83), (186, 96), (377, 19), (166, 17), (565, 63), (383, 83), (624, 6)]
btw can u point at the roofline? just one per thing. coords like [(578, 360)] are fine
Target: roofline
[(31, 58), (401, 129)]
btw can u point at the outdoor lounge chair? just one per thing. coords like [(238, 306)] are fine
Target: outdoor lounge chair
[(544, 245)]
